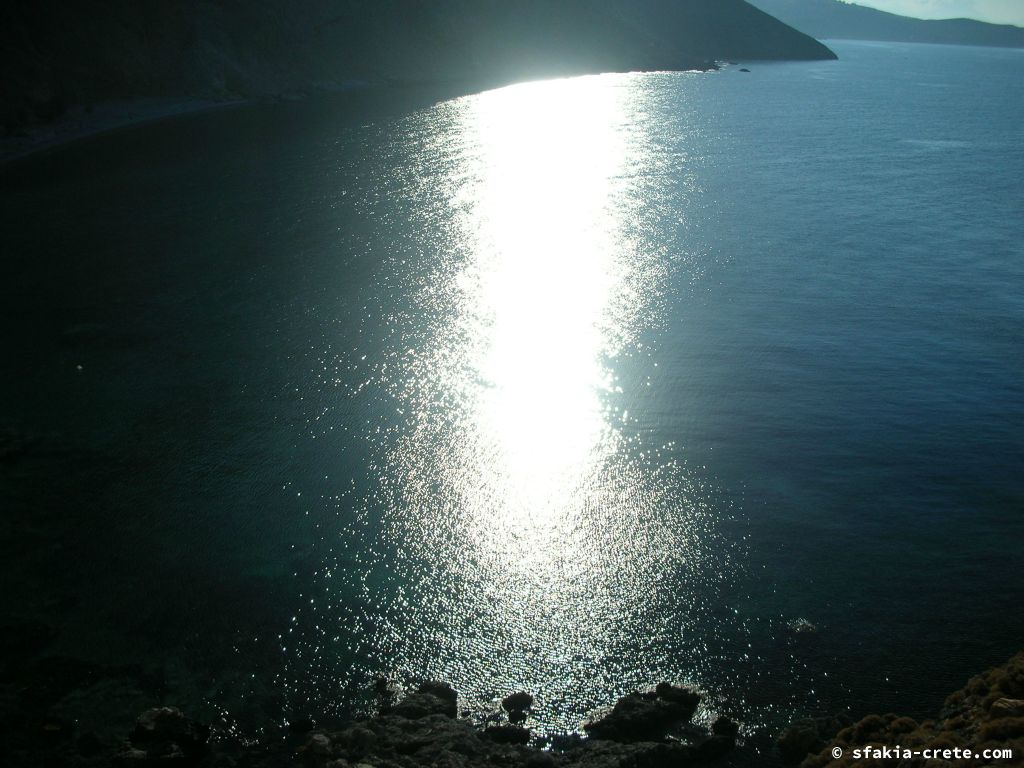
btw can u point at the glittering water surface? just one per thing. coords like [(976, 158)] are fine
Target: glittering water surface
[(570, 386), (528, 536)]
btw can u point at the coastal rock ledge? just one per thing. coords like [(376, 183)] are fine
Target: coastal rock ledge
[(644, 730), (986, 714), (649, 729)]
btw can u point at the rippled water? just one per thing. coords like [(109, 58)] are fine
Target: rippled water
[(570, 386), (529, 536)]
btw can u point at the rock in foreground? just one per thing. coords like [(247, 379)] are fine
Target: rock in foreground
[(432, 698), (651, 729), (415, 732), (646, 716), (164, 736)]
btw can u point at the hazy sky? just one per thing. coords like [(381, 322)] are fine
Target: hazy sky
[(999, 11)]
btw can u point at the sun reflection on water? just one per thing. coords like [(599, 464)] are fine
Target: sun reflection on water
[(544, 236), (528, 538)]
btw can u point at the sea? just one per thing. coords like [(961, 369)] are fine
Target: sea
[(570, 387)]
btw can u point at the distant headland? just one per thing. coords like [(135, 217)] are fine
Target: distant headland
[(832, 19)]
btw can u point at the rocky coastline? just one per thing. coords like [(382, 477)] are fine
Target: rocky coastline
[(645, 729), (424, 727)]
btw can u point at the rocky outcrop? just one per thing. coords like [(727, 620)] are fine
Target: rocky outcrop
[(808, 736), (646, 716), (988, 713), (649, 729), (432, 698), (642, 730), (517, 702), (517, 705), (422, 730), (164, 736)]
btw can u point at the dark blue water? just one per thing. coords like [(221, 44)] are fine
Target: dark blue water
[(573, 386)]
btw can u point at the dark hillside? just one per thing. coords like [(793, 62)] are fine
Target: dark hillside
[(57, 53)]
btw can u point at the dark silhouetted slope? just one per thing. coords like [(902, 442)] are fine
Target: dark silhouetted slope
[(58, 52), (844, 21)]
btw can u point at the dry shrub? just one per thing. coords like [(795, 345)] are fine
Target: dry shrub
[(1003, 729)]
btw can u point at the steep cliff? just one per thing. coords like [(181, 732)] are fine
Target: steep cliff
[(55, 53)]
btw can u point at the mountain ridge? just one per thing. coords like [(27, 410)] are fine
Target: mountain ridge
[(60, 53), (836, 20)]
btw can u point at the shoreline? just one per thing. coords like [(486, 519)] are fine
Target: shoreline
[(82, 122), (656, 728)]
